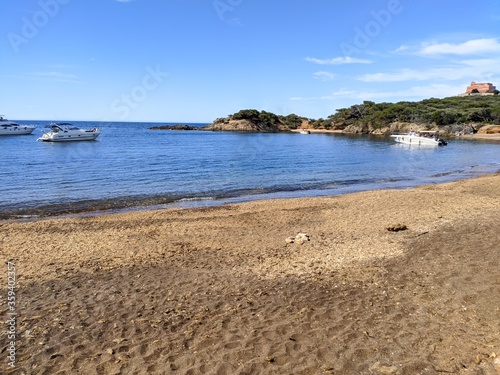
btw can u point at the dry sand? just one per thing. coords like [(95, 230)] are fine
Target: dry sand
[(219, 291), (484, 137)]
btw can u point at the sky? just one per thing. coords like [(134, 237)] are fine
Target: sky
[(197, 60)]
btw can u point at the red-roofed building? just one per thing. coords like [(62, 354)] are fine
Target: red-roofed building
[(483, 88)]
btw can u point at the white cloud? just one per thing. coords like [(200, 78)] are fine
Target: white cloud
[(50, 76), (474, 69), (470, 47), (324, 76), (414, 93), (338, 60), (402, 48), (53, 75)]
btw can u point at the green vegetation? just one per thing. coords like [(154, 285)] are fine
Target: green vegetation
[(259, 118), (268, 119), (457, 112), (292, 121), (479, 109)]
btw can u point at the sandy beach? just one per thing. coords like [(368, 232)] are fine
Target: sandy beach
[(484, 137), (381, 282)]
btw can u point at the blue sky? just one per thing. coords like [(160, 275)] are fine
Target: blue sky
[(196, 60)]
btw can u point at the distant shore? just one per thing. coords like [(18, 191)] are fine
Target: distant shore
[(489, 137), (247, 128), (380, 282), (320, 131)]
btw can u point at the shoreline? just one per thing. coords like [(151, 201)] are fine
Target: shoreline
[(320, 131), (387, 282), (110, 206), (490, 137)]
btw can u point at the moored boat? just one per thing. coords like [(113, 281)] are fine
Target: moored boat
[(67, 132), (421, 138), (13, 128)]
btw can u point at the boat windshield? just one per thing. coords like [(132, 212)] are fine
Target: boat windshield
[(64, 126)]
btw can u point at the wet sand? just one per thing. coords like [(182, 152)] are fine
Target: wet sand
[(220, 291)]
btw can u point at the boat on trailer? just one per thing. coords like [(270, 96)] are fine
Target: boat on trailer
[(420, 138)]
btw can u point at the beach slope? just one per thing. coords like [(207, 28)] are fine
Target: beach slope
[(385, 282)]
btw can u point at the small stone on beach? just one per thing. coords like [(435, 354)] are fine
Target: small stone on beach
[(397, 228), (300, 238)]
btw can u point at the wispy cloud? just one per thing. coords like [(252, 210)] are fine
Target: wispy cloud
[(414, 92), (324, 76), (470, 47), (338, 60), (473, 69), (52, 76)]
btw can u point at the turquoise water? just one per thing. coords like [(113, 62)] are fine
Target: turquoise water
[(130, 165)]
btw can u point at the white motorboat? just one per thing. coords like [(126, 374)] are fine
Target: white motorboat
[(12, 128), (421, 138), (66, 132), (304, 131)]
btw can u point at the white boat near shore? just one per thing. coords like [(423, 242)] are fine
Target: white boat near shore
[(13, 128), (66, 132), (421, 138)]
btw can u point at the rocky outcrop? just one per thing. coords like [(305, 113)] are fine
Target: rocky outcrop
[(174, 127), (244, 126), (489, 129), (395, 127)]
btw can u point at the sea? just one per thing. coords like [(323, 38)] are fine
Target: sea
[(131, 167)]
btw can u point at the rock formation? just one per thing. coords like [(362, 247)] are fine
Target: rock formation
[(227, 124), (174, 127), (490, 129)]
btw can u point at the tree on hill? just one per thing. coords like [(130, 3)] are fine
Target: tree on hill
[(447, 111), (292, 120), (259, 118)]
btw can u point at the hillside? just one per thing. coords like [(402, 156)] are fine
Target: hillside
[(462, 114)]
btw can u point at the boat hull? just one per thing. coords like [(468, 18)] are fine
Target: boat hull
[(417, 140), (83, 136), (17, 130)]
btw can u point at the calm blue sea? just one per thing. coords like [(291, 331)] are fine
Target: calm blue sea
[(130, 165)]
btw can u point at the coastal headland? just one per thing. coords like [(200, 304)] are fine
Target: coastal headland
[(379, 282), (461, 116)]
